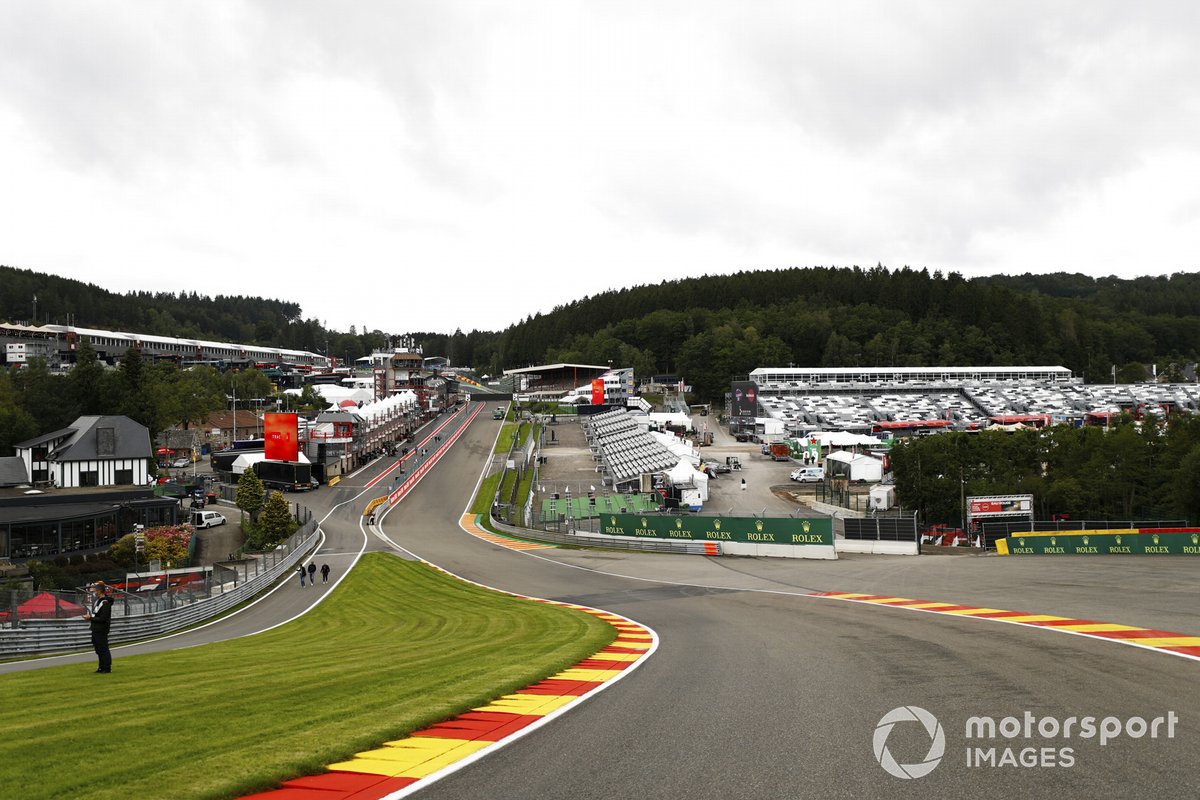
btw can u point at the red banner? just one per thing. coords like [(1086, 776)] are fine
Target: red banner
[(598, 392), (281, 440)]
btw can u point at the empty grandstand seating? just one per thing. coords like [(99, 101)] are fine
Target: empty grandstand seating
[(624, 449)]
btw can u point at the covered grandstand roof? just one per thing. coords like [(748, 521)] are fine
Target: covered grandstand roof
[(895, 374), (552, 368)]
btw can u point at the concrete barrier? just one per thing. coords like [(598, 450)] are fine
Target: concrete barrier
[(876, 548)]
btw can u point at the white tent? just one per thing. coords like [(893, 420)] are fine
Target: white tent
[(859, 467), (684, 474), (248, 460), (662, 419), (678, 447), (840, 439)]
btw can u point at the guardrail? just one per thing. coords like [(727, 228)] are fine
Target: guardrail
[(608, 543), (45, 637)]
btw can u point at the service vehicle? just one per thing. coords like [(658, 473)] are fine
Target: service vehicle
[(206, 519), (808, 474), (498, 413)]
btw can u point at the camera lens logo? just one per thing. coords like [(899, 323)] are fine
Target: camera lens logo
[(937, 742)]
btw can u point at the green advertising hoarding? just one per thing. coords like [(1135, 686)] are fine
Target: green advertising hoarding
[(1132, 543), (753, 530)]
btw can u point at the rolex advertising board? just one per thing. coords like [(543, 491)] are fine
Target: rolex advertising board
[(1107, 543), (784, 532)]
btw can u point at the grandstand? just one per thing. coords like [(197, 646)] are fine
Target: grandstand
[(912, 400), (58, 344), (551, 381), (626, 451)]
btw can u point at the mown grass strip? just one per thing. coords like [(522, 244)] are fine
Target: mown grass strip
[(487, 493), (397, 647)]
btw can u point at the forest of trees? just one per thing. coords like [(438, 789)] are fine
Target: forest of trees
[(1145, 471), (713, 329), (33, 400), (249, 320)]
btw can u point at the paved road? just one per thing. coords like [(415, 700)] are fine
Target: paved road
[(758, 692)]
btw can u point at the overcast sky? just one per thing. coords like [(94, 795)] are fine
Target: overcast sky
[(430, 165)]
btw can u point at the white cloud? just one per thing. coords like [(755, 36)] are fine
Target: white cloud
[(426, 166)]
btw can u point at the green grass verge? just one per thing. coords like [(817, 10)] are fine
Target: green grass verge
[(397, 647), (487, 492), (505, 439), (525, 487)]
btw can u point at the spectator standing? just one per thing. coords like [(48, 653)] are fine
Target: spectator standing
[(100, 619), (300, 569), (312, 573)]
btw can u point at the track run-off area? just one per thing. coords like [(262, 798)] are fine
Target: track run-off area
[(869, 676)]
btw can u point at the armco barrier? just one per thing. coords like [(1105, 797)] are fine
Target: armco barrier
[(1125, 542), (44, 637), (592, 540), (772, 536), (780, 537)]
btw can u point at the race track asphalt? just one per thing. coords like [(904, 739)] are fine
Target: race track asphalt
[(757, 691)]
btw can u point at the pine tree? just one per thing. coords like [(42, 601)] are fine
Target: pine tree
[(275, 523), (250, 494)]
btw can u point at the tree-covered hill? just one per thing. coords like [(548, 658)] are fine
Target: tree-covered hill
[(712, 329)]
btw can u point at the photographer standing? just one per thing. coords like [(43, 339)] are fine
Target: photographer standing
[(100, 617)]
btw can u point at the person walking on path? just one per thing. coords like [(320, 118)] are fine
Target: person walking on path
[(312, 573), (100, 619), (300, 569), (743, 484), (324, 573)]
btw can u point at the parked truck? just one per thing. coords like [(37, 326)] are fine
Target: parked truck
[(780, 451), (287, 476)]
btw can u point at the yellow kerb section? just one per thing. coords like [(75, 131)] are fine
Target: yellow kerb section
[(590, 675), (968, 612), (1098, 627), (616, 657), (1173, 641), (411, 758), (528, 704)]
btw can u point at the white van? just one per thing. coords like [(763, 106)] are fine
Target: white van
[(206, 519), (809, 474)]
